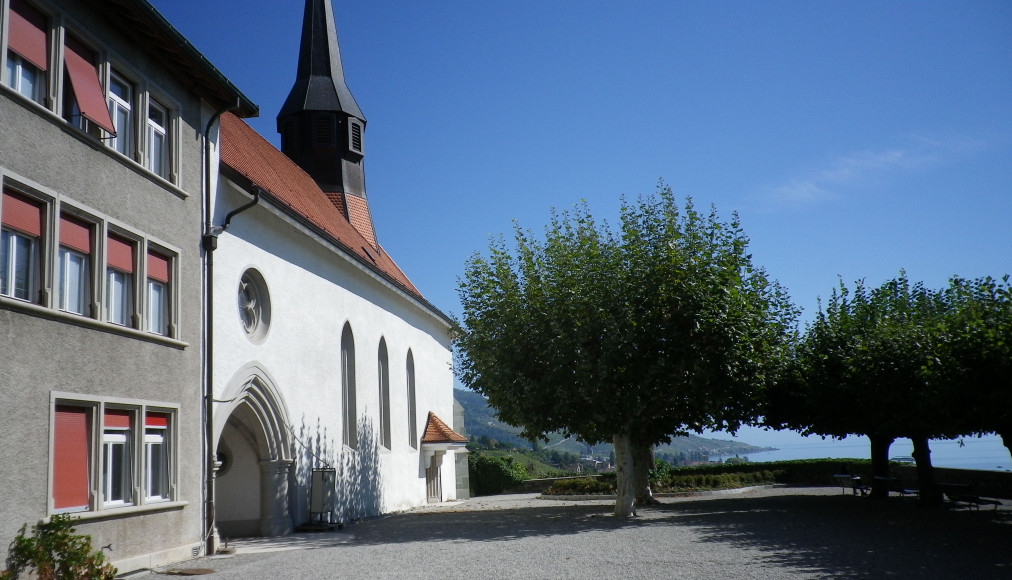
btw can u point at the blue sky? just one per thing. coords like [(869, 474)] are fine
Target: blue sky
[(853, 138)]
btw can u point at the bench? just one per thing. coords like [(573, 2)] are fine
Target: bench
[(963, 493), (892, 485), (853, 482)]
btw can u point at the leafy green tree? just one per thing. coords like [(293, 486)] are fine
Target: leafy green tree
[(875, 363), (980, 326), (630, 336)]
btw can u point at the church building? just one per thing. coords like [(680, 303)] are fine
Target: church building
[(330, 370)]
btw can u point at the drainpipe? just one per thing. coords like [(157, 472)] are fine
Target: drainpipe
[(209, 242)]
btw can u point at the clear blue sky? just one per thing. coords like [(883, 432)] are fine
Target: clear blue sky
[(853, 138)]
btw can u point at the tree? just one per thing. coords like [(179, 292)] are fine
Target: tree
[(631, 336), (875, 363), (980, 324)]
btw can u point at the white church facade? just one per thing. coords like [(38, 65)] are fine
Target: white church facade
[(324, 356)]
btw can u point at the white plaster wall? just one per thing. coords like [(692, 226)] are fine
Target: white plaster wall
[(314, 291)]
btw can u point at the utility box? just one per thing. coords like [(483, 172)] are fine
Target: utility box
[(321, 495)]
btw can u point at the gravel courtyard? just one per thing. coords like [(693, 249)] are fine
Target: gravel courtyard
[(768, 533)]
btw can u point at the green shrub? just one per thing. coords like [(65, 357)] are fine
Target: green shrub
[(54, 551), (582, 486), (492, 475)]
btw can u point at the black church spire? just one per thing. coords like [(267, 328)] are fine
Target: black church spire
[(322, 128)]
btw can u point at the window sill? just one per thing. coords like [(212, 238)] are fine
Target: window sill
[(7, 303), (123, 511)]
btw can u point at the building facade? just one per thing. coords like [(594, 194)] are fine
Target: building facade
[(326, 358), (103, 109)]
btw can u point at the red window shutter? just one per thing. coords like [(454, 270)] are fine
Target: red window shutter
[(158, 267), (120, 254), (71, 452), (117, 418), (156, 420), (84, 80), (21, 214), (75, 234), (27, 34)]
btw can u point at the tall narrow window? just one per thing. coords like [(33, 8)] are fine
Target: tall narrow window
[(71, 453), (350, 431), (384, 394), (119, 281), (74, 265), (157, 139), (28, 51), (83, 101), (412, 422), (156, 456), (158, 294), (116, 453), (20, 232), (121, 98)]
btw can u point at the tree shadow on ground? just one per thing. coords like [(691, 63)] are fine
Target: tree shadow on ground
[(838, 536)]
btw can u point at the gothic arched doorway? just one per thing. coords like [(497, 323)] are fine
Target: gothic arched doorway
[(254, 459)]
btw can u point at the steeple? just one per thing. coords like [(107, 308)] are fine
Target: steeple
[(322, 129)]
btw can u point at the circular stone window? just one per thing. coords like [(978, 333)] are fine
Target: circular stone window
[(254, 305)]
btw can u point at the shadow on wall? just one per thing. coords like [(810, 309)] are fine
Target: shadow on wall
[(358, 485), (315, 450)]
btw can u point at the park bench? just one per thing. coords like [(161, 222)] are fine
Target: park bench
[(964, 493), (893, 485), (853, 482)]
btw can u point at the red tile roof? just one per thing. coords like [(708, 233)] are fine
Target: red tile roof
[(438, 432), (286, 184), (358, 212)]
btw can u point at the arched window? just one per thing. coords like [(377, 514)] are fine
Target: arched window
[(384, 394), (350, 433), (412, 425)]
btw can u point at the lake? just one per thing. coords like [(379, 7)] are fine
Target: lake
[(984, 453)]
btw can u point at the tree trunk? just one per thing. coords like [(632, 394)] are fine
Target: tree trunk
[(929, 494), (643, 462), (880, 464), (1006, 438), (625, 476)]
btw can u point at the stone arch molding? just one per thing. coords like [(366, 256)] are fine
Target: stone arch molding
[(252, 385)]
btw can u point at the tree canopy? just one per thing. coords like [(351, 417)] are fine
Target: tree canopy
[(660, 327), (900, 360)]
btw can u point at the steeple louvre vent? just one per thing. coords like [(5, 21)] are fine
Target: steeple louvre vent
[(355, 136), (323, 128)]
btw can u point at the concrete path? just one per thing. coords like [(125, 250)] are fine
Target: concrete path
[(761, 533)]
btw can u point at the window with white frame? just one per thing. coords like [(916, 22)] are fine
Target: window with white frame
[(124, 477), (20, 235), (117, 472), (74, 265), (158, 146), (84, 103), (27, 51), (159, 293), (119, 280), (156, 456), (121, 98)]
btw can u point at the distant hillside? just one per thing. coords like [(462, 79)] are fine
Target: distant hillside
[(480, 420)]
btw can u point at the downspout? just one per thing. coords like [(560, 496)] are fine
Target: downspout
[(209, 242)]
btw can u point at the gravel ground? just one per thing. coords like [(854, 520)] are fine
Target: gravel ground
[(767, 533)]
